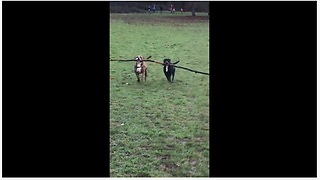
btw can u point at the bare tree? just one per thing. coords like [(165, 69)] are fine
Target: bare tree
[(193, 9)]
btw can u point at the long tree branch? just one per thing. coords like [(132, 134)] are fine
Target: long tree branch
[(191, 70), (148, 60)]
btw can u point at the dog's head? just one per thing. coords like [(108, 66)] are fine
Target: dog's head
[(167, 61), (139, 63), (138, 58)]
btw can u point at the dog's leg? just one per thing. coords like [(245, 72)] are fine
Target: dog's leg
[(135, 71), (145, 75), (138, 77), (168, 77), (172, 76)]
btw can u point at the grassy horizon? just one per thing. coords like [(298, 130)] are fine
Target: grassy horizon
[(159, 129)]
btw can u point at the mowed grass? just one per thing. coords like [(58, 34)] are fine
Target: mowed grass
[(157, 128)]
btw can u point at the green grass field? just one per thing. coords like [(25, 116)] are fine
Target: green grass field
[(157, 128)]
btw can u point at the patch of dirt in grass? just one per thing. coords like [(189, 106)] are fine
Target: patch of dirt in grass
[(200, 149), (146, 147), (170, 167), (163, 157), (145, 155), (183, 140), (169, 147), (173, 169), (143, 174), (193, 162)]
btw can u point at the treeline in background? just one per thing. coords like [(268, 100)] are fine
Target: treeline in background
[(143, 6)]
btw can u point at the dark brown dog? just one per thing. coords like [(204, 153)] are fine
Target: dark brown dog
[(140, 68)]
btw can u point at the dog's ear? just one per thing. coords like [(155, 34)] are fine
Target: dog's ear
[(176, 62)]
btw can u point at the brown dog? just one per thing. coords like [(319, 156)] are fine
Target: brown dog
[(140, 68)]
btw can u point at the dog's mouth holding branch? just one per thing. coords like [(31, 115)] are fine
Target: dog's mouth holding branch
[(140, 68), (167, 63), (139, 62)]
